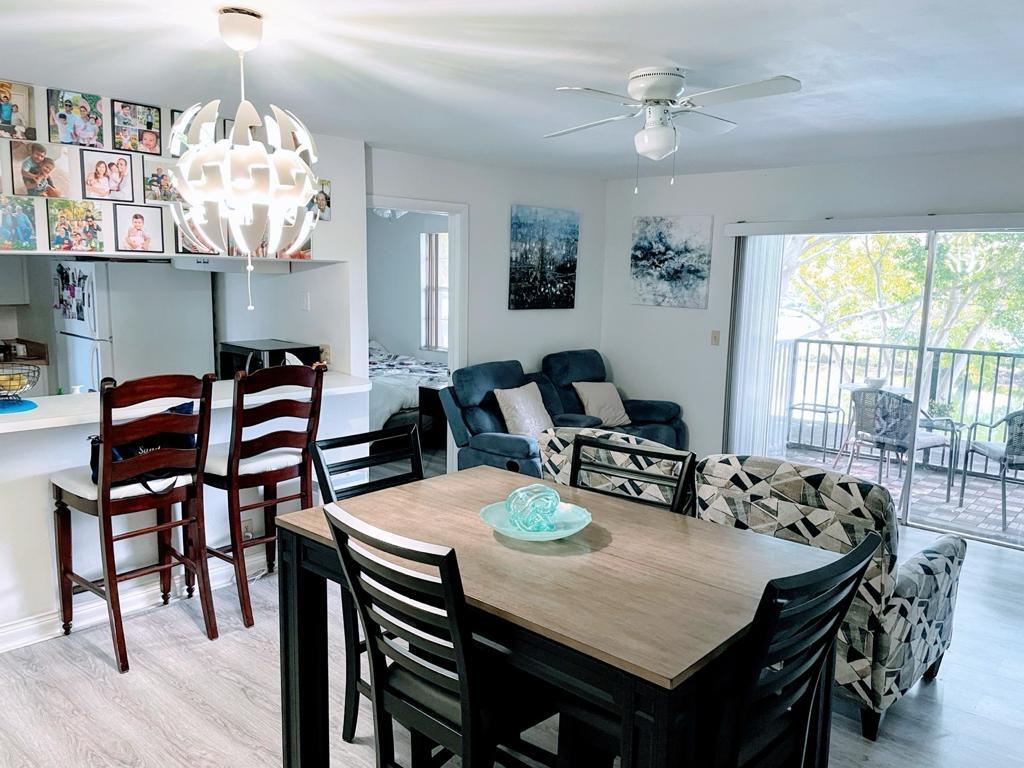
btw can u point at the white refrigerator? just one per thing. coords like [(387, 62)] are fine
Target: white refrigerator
[(129, 320)]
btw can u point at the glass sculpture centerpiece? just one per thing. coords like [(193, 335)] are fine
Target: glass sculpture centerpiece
[(532, 507)]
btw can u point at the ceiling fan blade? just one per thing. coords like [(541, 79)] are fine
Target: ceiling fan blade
[(701, 122), (771, 87), (606, 95), (591, 125)]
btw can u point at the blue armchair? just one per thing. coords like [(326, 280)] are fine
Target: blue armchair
[(477, 425), (658, 420)]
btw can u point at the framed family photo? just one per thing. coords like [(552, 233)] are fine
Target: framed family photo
[(191, 245), (17, 223), (17, 111), (178, 148), (156, 182), (107, 175), (74, 117), (136, 127), (139, 228), (321, 200), (74, 225), (42, 170)]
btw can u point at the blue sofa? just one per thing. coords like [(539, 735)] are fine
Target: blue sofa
[(482, 436), (658, 420)]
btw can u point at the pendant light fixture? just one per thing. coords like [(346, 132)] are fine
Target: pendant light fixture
[(237, 187)]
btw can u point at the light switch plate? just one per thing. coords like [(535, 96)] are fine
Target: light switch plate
[(716, 338)]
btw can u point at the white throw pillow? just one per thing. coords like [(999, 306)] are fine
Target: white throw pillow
[(601, 399), (523, 410)]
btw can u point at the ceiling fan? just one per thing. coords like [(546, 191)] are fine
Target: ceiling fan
[(657, 94)]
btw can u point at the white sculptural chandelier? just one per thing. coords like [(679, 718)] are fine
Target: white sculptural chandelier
[(236, 187)]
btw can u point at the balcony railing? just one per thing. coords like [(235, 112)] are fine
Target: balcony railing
[(967, 385)]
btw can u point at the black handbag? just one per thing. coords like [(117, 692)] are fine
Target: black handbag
[(145, 445)]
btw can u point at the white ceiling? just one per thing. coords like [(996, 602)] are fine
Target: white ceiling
[(475, 79)]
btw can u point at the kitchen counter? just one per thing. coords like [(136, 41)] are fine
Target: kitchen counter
[(55, 436), (73, 410)]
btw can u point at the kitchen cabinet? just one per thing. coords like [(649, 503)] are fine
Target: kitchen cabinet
[(13, 280)]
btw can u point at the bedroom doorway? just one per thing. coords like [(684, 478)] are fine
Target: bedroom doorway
[(414, 269)]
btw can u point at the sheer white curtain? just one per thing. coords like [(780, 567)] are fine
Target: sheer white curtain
[(758, 384)]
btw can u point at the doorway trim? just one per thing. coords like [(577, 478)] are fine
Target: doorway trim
[(458, 277)]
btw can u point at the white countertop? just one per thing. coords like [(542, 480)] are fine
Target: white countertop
[(74, 410)]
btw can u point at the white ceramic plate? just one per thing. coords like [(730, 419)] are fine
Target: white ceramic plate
[(569, 519)]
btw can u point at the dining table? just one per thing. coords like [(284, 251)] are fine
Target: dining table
[(635, 615)]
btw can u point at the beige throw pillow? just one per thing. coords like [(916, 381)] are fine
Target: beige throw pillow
[(601, 399), (523, 410)]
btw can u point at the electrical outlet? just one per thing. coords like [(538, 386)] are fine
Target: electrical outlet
[(325, 354), (307, 302), (247, 529), (716, 338)]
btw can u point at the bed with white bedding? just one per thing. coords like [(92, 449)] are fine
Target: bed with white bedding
[(396, 381)]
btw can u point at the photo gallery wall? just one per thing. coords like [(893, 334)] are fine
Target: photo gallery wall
[(86, 173)]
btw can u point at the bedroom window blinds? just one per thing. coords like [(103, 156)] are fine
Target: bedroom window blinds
[(434, 279)]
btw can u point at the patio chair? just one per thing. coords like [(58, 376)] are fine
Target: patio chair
[(884, 420), (1009, 454)]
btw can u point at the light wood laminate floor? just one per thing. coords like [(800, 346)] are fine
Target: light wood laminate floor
[(191, 702)]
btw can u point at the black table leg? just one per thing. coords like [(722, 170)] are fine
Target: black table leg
[(304, 691)]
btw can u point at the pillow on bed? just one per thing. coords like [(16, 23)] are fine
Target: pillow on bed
[(523, 410), (376, 349)]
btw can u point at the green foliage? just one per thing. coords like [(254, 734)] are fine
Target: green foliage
[(870, 288)]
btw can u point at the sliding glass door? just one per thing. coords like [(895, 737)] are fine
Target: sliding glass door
[(875, 352)]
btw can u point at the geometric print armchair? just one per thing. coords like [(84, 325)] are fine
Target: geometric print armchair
[(901, 622)]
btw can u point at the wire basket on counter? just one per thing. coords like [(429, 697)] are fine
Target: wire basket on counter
[(16, 378)]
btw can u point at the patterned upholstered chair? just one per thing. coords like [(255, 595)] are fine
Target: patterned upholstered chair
[(901, 622), (641, 469)]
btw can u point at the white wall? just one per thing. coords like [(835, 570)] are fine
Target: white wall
[(337, 292), (8, 322), (495, 332), (666, 352), (394, 283)]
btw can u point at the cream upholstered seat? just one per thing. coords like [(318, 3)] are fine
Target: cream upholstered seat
[(78, 481), (279, 458)]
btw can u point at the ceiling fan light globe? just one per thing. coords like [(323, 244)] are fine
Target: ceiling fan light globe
[(656, 142)]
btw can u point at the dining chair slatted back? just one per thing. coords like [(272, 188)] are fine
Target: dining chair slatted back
[(412, 608), (781, 717), (662, 477), (397, 444), (304, 409), (382, 447)]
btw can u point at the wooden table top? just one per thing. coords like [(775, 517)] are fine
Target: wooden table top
[(653, 593)]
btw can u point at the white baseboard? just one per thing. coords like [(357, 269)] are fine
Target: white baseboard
[(144, 593)]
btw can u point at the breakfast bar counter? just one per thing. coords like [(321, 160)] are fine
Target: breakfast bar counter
[(54, 436)]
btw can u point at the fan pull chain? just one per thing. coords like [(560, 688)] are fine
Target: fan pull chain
[(636, 186)]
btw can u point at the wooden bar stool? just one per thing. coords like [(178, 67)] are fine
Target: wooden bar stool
[(166, 469), (264, 460)]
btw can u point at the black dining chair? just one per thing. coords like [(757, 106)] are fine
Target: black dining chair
[(771, 706), (428, 671), (624, 466), (383, 447)]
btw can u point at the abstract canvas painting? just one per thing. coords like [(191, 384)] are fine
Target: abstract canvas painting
[(670, 261), (542, 265)]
